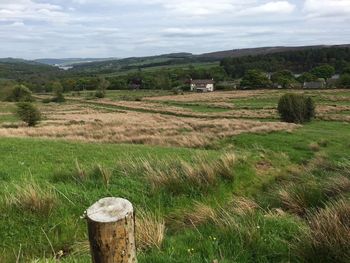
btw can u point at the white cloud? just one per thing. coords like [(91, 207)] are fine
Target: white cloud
[(121, 28), (235, 7), (192, 31), (327, 7), (278, 7), (31, 10)]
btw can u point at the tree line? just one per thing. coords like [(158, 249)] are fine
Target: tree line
[(310, 64)]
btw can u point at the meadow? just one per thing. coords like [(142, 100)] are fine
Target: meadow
[(214, 177)]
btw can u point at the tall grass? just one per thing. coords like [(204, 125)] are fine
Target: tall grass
[(96, 174), (297, 198), (200, 213), (329, 235), (32, 197), (177, 175), (150, 230)]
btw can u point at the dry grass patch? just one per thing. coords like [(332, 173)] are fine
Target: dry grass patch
[(79, 122), (186, 112), (218, 96), (145, 128), (334, 117), (314, 146)]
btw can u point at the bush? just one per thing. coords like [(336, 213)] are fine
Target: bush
[(296, 108), (100, 94), (20, 93), (28, 113)]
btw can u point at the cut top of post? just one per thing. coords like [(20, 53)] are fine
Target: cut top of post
[(110, 209)]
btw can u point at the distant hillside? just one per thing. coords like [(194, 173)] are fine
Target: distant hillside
[(30, 72), (297, 60), (236, 53), (169, 60), (70, 61), (18, 60), (135, 63)]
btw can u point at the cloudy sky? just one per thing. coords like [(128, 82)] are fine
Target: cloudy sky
[(122, 28)]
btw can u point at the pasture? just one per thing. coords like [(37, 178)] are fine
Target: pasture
[(213, 176)]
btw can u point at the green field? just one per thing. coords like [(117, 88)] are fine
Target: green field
[(265, 206)]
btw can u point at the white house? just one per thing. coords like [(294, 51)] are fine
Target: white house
[(202, 85)]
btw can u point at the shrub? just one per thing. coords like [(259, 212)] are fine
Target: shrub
[(296, 108), (100, 94), (28, 113), (20, 93)]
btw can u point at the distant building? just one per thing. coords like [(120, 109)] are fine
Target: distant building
[(202, 85), (318, 84), (333, 81), (336, 76)]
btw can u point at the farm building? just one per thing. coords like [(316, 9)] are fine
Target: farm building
[(319, 84), (202, 85)]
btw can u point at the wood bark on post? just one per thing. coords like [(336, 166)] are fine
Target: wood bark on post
[(111, 228)]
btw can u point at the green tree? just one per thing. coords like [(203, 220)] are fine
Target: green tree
[(255, 79), (28, 113), (306, 77), (20, 93), (324, 71), (346, 70), (344, 81), (69, 84), (57, 88), (102, 87), (284, 78)]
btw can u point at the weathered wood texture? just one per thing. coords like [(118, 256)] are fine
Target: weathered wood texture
[(111, 228)]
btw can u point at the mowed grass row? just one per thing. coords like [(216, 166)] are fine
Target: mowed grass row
[(252, 198)]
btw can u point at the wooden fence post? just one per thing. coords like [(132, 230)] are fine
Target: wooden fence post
[(111, 228)]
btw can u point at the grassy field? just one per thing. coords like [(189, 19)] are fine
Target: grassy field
[(211, 176)]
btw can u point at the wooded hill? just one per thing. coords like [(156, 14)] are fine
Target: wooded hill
[(173, 70)]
